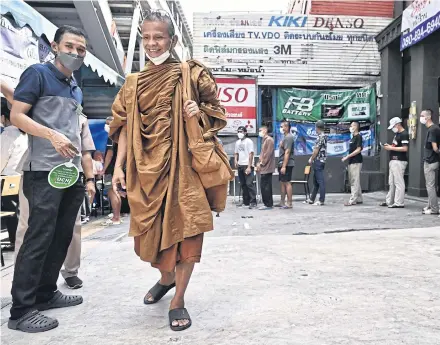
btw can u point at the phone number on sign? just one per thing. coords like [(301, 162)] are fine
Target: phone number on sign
[(424, 30)]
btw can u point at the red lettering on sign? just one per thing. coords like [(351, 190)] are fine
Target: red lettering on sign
[(245, 95), (225, 95)]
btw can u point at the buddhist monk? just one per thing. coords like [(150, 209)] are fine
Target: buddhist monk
[(170, 211)]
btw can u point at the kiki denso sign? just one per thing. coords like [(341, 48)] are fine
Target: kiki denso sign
[(239, 97)]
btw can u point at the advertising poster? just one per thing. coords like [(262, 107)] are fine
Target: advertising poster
[(239, 97), (327, 105), (337, 141), (20, 48)]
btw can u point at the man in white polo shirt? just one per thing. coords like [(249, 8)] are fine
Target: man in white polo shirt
[(244, 158)]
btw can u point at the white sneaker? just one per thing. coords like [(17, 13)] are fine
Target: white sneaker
[(110, 215), (426, 208), (318, 203), (428, 212), (110, 222)]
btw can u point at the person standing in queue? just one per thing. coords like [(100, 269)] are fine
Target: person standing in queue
[(355, 161), (318, 159), (244, 158), (286, 162), (266, 167), (398, 162), (431, 160), (47, 106)]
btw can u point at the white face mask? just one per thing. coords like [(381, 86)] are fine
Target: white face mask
[(240, 135), (351, 130), (423, 120), (159, 60), (395, 130), (107, 128), (261, 134), (281, 130)]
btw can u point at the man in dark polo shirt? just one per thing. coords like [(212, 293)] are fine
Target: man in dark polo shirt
[(355, 161), (47, 106), (286, 162), (431, 160)]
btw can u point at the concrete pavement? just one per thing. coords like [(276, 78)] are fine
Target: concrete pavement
[(262, 285)]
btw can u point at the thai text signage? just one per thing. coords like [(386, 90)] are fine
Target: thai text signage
[(290, 49), (419, 20), (239, 97)]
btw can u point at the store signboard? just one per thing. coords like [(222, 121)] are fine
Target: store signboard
[(285, 50), (239, 97), (419, 20)]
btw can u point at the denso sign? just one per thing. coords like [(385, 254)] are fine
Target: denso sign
[(318, 22)]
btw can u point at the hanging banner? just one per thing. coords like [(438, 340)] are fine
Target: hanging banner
[(327, 105), (419, 20), (239, 97), (338, 138), (20, 48)]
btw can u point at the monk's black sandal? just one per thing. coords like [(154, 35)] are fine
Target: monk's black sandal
[(157, 292), (33, 322), (60, 301), (179, 314)]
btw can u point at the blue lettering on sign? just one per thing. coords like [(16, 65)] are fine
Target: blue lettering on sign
[(288, 21)]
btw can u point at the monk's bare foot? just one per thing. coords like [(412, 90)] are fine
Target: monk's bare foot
[(166, 279), (175, 304)]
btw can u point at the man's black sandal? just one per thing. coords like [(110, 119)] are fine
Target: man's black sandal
[(157, 292), (179, 314)]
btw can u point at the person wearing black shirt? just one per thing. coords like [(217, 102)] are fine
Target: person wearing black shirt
[(398, 162), (431, 160), (355, 161)]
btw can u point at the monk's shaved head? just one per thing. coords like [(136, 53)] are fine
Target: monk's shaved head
[(159, 16)]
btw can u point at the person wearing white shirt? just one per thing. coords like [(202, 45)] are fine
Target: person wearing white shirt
[(14, 144), (244, 157)]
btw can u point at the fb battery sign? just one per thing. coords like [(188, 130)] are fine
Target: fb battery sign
[(239, 97)]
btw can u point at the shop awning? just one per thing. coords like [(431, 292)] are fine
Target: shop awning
[(24, 14)]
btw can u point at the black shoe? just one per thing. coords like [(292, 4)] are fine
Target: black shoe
[(74, 282), (396, 206), (383, 204), (9, 248)]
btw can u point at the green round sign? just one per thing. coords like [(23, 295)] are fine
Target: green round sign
[(63, 176)]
